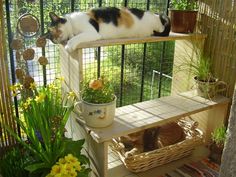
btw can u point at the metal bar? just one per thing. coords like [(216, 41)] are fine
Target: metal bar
[(72, 5), (162, 56), (43, 49), (99, 62), (148, 5), (99, 51), (11, 55), (122, 74), (126, 3), (144, 61), (167, 7), (161, 69), (143, 70)]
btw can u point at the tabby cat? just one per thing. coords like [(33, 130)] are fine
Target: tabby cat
[(105, 23)]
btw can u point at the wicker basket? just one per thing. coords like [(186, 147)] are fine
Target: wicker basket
[(151, 159)]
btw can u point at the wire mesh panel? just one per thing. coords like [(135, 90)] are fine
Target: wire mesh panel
[(130, 67)]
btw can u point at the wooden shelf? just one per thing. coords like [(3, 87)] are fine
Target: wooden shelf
[(171, 37), (140, 116)]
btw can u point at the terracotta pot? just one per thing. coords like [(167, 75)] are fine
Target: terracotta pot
[(183, 21)]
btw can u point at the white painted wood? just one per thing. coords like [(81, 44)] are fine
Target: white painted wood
[(148, 114), (171, 37), (139, 116)]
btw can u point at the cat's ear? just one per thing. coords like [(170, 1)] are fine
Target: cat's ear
[(54, 17)]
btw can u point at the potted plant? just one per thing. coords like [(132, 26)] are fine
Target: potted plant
[(98, 103), (218, 139), (44, 114), (183, 15), (201, 68)]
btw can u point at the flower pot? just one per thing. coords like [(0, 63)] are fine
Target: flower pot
[(210, 88), (183, 21), (98, 115), (216, 152)]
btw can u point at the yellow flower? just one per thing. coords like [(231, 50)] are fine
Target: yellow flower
[(71, 95), (13, 88), (28, 101), (69, 167), (52, 87), (77, 166), (61, 78), (18, 86), (25, 105), (71, 158), (61, 161), (95, 84), (56, 169), (40, 98), (32, 85)]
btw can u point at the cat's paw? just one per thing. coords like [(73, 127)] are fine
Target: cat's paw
[(71, 46), (68, 48)]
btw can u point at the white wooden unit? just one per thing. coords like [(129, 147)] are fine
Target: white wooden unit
[(136, 117), (72, 64)]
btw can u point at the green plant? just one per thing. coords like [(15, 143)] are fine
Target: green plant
[(98, 91), (184, 4), (12, 163), (68, 166), (45, 113), (219, 135), (201, 68)]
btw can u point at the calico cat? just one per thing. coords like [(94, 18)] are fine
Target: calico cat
[(105, 23)]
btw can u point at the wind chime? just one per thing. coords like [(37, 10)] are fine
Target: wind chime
[(27, 27)]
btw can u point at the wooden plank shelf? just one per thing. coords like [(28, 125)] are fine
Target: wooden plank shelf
[(133, 118), (171, 37), (140, 116)]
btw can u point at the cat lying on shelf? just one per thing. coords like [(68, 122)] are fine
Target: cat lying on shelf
[(105, 23)]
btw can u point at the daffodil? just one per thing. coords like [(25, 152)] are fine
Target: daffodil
[(32, 85), (29, 100), (52, 86), (61, 79), (26, 105), (71, 95), (40, 98)]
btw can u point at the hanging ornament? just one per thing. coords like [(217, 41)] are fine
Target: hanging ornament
[(28, 54), (28, 25), (28, 80), (41, 42), (20, 73), (43, 61)]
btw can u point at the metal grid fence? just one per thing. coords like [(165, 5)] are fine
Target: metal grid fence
[(130, 66)]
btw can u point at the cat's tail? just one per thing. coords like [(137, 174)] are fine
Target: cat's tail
[(165, 20)]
